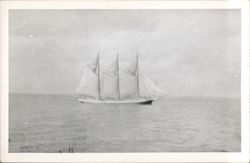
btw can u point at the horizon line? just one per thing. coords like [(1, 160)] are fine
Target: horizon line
[(72, 94)]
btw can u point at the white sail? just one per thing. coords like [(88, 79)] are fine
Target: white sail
[(128, 67), (148, 88), (128, 86), (109, 86), (128, 80), (89, 84)]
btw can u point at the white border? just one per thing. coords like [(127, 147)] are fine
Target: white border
[(242, 156)]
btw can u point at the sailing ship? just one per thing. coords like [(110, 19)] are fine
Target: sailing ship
[(116, 83)]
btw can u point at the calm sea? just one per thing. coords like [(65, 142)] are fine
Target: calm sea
[(55, 123)]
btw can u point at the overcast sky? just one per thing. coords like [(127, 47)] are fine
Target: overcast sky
[(186, 52)]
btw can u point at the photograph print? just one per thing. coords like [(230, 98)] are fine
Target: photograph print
[(124, 80)]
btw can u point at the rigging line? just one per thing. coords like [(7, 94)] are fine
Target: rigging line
[(98, 71), (118, 76), (137, 73)]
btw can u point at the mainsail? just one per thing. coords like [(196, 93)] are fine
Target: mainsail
[(128, 80), (116, 81), (109, 87)]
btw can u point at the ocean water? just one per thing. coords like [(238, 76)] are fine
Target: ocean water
[(55, 123)]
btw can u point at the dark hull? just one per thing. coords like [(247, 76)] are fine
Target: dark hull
[(146, 102), (141, 101)]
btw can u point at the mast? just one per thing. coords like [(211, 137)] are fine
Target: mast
[(137, 74), (98, 75), (117, 76)]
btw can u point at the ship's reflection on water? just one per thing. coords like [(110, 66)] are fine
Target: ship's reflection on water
[(45, 123)]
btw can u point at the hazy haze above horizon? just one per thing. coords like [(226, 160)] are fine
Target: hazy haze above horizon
[(185, 52)]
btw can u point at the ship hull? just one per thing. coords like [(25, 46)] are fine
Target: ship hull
[(135, 101), (149, 102)]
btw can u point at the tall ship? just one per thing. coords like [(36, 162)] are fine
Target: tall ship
[(116, 82)]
